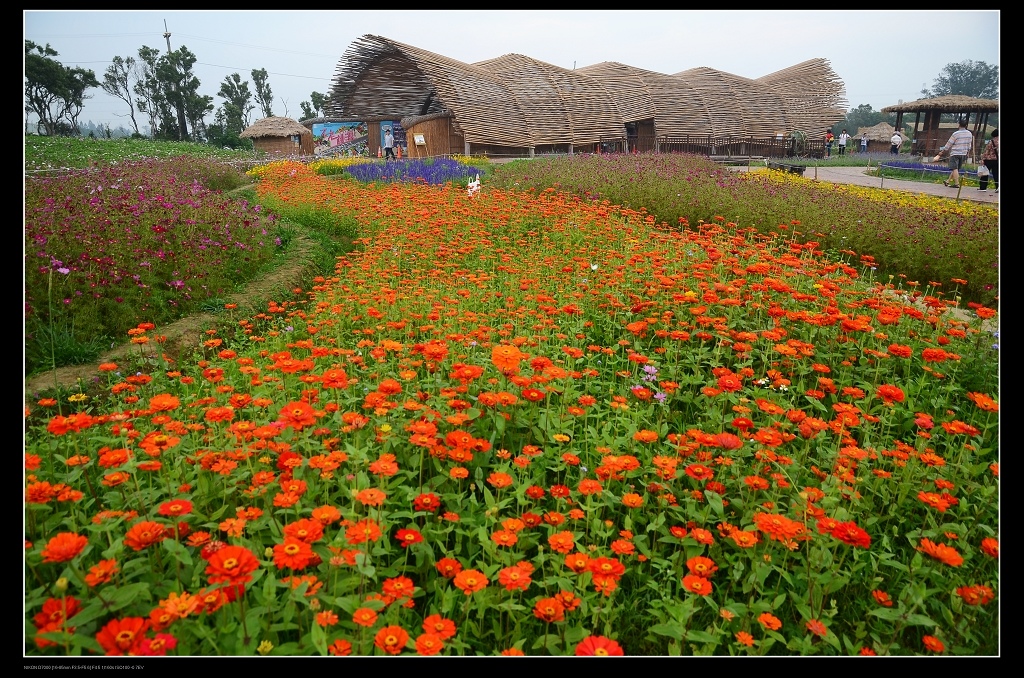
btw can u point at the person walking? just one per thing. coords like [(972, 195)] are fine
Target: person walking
[(959, 145), (389, 144), (829, 138), (864, 142), (896, 142), (843, 138), (991, 158)]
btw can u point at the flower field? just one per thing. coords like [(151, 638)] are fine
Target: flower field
[(528, 422)]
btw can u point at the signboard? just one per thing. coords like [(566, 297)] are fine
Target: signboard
[(340, 138)]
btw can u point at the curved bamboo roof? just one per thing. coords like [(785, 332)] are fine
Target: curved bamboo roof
[(953, 103), (274, 126), (514, 100)]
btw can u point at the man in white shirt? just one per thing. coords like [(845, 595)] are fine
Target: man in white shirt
[(389, 144), (959, 146), (896, 142), (843, 138)]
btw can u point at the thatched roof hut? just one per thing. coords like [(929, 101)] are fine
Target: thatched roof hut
[(514, 104), (928, 138), (280, 136)]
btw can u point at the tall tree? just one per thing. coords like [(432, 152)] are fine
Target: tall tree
[(44, 83), (179, 83), (77, 81), (974, 79), (118, 81), (264, 97), (307, 111), (53, 91), (148, 93), (237, 102)]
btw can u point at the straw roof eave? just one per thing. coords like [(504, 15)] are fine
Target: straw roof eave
[(274, 127), (946, 104)]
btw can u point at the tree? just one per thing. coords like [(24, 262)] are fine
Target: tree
[(77, 81), (53, 91), (319, 102), (316, 109), (44, 82), (974, 79), (263, 95), (179, 84), (862, 116), (118, 82), (237, 102), (149, 96)]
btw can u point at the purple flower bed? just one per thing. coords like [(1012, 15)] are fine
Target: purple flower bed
[(434, 171)]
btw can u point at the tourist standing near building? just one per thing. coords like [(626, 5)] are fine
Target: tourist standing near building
[(389, 144), (896, 142), (864, 142), (991, 158), (959, 146), (843, 138)]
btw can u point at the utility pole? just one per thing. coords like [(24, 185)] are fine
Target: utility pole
[(182, 130)]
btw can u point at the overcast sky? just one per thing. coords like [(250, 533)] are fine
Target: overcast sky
[(882, 57)]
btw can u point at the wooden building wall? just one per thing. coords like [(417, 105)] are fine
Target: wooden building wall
[(440, 136), (285, 145)]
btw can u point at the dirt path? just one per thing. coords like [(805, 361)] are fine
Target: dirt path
[(187, 334)]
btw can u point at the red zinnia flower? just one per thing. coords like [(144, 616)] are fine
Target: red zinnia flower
[(817, 628), (408, 536), (63, 547), (598, 646), (123, 636)]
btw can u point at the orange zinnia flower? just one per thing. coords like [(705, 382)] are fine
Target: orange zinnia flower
[(440, 626), (364, 616), (769, 621), (293, 554), (63, 547), (506, 358), (231, 564), (144, 534), (941, 552), (549, 610), (470, 581), (696, 584), (817, 628), (391, 639), (428, 644)]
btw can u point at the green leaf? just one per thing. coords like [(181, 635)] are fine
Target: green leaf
[(888, 613), (670, 629), (701, 637), (919, 620)]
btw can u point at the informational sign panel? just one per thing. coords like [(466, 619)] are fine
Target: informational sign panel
[(340, 138)]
